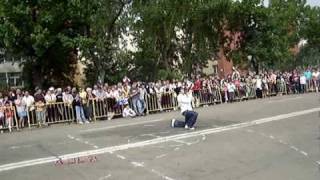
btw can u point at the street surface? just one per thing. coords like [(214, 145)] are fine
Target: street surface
[(275, 138)]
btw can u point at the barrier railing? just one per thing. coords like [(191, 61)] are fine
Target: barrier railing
[(209, 96), (100, 108), (153, 102), (50, 113)]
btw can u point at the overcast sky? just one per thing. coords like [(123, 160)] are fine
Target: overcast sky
[(314, 2), (311, 2)]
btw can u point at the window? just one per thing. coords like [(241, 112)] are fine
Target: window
[(3, 79), (15, 79)]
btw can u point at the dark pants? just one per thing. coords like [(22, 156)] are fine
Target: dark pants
[(259, 93), (190, 119)]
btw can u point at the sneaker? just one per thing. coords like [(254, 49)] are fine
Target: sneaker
[(192, 128), (173, 122), (87, 122), (80, 122), (186, 127)]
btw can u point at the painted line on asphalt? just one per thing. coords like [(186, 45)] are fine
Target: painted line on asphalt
[(11, 166), (284, 100), (121, 125)]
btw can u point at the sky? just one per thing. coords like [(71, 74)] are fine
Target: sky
[(310, 2), (314, 2)]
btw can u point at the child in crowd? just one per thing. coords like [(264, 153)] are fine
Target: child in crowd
[(1, 115), (9, 113)]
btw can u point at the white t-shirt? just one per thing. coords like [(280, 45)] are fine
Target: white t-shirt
[(259, 84), (20, 104), (28, 100), (303, 80), (315, 75), (50, 98), (231, 87), (184, 102)]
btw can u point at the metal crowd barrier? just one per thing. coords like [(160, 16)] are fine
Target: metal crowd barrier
[(210, 96), (100, 108), (153, 102), (103, 108), (51, 113)]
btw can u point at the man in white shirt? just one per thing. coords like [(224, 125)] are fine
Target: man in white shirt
[(184, 101), (258, 87), (303, 83), (28, 100), (315, 77)]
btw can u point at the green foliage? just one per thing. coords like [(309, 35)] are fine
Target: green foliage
[(169, 36)]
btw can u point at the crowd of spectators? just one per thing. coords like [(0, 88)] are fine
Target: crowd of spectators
[(129, 97)]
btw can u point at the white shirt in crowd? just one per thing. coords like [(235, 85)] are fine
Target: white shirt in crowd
[(259, 84), (184, 101), (128, 112), (231, 87), (50, 98), (20, 104), (303, 80), (67, 98), (29, 100), (315, 74)]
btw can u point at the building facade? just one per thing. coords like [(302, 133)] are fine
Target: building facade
[(10, 72)]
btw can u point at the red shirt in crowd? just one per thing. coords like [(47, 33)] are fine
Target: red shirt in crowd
[(197, 85)]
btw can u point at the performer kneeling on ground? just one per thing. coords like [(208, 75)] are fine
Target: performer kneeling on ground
[(184, 102)]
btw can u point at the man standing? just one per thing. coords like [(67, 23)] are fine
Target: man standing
[(184, 101)]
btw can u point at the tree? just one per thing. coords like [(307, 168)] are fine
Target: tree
[(269, 33), (100, 46), (43, 33), (175, 35)]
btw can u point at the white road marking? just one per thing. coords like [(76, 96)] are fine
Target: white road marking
[(11, 166), (284, 100), (121, 157), (304, 153), (182, 142), (250, 131), (294, 148), (271, 137), (137, 164), (204, 137), (161, 156), (176, 145), (122, 125), (19, 147), (148, 125), (161, 175), (165, 132), (105, 177), (70, 137)]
